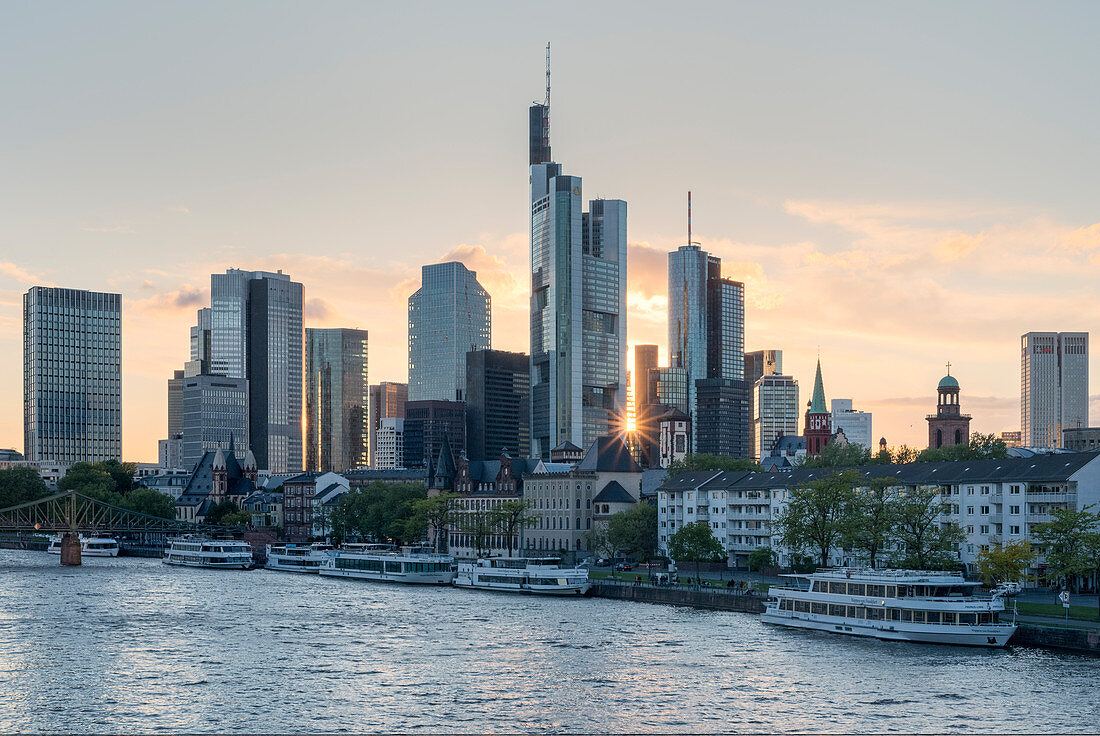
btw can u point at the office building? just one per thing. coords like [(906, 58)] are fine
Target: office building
[(449, 315), (759, 363), (498, 402), (337, 400), (856, 425), (645, 360), (669, 387), (215, 416), (721, 407), (389, 444), (1014, 438), (1084, 439), (775, 412), (72, 375), (387, 400), (578, 304), (1054, 386), (256, 333), (428, 424)]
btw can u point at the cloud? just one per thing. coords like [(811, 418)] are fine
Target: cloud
[(123, 229), (185, 297), (181, 210), (319, 310), (22, 275)]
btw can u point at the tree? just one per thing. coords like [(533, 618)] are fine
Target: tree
[(762, 557), (121, 473), (1068, 544), (873, 516), (19, 485), (1005, 562), (87, 479), (634, 531), (149, 501), (237, 517), (218, 512), (818, 514), (378, 511), (837, 455), (434, 514), (598, 539), (703, 461), (479, 524), (510, 517), (980, 447), (694, 542), (905, 454), (926, 543)]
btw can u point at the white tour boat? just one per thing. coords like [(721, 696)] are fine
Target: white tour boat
[(900, 605), (381, 562), (297, 557), (198, 551), (539, 575), (89, 546)]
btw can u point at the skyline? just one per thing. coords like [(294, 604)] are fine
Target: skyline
[(916, 205)]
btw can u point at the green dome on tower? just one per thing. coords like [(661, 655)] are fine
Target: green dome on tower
[(948, 382)]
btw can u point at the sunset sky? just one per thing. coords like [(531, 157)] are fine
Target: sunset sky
[(898, 185)]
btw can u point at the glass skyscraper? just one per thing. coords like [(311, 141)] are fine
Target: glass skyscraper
[(215, 415), (337, 400), (578, 305), (72, 375), (449, 315), (1054, 386)]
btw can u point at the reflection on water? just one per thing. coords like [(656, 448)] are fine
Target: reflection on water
[(132, 645)]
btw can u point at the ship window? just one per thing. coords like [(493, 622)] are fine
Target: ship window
[(817, 608), (983, 618), (876, 591), (857, 589), (891, 591), (893, 614), (836, 610), (918, 617), (906, 614), (933, 617), (836, 588), (852, 612), (803, 606), (874, 614), (949, 617), (967, 618)]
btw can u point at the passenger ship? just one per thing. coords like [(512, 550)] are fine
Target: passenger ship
[(537, 575), (383, 563), (197, 551), (900, 605), (89, 546), (297, 558)]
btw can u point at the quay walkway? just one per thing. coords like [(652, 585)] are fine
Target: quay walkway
[(694, 596)]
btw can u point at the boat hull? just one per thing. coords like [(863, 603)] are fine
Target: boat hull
[(984, 635), (100, 552), (208, 565), (410, 578), (557, 590)]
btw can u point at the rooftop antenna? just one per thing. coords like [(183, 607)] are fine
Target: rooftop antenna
[(689, 217), (548, 74)]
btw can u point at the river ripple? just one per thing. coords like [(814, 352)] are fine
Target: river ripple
[(129, 645)]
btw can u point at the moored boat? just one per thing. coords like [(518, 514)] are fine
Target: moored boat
[(898, 605), (384, 563), (199, 551), (297, 557), (89, 546), (531, 575)]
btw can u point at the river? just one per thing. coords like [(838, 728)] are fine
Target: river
[(133, 645)]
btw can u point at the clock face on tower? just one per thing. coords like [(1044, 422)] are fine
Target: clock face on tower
[(818, 422)]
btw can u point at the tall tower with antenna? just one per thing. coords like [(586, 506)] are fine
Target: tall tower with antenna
[(539, 115)]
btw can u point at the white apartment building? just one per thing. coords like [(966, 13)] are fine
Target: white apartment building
[(389, 442), (994, 501), (856, 424)]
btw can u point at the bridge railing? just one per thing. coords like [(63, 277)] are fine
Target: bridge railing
[(72, 511)]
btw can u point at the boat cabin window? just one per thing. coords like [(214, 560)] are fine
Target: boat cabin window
[(857, 589), (836, 588), (948, 617), (818, 608), (876, 591), (891, 591), (918, 617), (906, 614), (932, 617), (874, 614)]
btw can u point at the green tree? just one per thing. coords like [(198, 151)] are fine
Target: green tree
[(379, 512), (121, 473), (837, 455), (19, 485), (149, 501), (89, 480), (980, 447), (762, 557), (926, 542), (818, 514), (218, 512), (510, 517), (1005, 562), (479, 525), (598, 540), (873, 516), (703, 461), (434, 514), (694, 542), (905, 454), (237, 517), (634, 531), (1067, 543)]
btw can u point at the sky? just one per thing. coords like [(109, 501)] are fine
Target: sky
[(898, 185)]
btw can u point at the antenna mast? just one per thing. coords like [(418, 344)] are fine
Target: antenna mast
[(548, 74)]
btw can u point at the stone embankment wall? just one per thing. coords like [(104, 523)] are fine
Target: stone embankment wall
[(1050, 637), (715, 599)]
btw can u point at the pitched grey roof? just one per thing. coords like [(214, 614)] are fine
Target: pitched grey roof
[(609, 455), (613, 492), (690, 481)]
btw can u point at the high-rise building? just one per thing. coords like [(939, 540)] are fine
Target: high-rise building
[(762, 362), (1054, 386), (578, 304), (387, 401), (706, 336), (668, 387), (202, 335), (388, 449), (498, 399), (449, 315), (856, 425), (428, 424), (215, 415), (337, 400), (645, 360), (775, 412), (175, 404), (72, 375)]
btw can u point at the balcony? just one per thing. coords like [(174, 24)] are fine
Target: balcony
[(1067, 498)]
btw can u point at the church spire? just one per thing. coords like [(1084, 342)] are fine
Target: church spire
[(817, 405)]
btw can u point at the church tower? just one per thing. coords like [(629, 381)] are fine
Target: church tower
[(818, 428), (948, 426)]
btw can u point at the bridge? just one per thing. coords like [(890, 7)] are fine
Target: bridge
[(71, 513)]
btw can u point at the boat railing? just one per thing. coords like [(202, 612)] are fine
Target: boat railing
[(909, 576)]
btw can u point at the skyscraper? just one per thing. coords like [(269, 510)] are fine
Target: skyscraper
[(428, 424), (256, 334), (762, 362), (645, 359), (1054, 386), (498, 399), (578, 304), (706, 337), (775, 412), (337, 400), (387, 401), (855, 424), (449, 315), (72, 375), (215, 414)]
